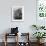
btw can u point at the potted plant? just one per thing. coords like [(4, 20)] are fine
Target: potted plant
[(39, 35)]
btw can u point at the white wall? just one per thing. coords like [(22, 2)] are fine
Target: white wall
[(29, 15)]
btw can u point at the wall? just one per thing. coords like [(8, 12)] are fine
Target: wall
[(29, 15)]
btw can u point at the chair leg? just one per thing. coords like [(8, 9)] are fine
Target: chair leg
[(5, 43), (5, 40)]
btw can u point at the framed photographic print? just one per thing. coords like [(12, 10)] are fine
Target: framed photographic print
[(41, 9), (18, 13), (41, 12)]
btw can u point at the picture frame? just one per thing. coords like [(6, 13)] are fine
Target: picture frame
[(17, 13), (41, 9), (41, 12)]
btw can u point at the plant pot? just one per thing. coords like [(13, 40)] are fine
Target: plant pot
[(40, 40)]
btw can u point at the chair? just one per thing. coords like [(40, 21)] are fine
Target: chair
[(24, 36), (7, 35), (14, 32)]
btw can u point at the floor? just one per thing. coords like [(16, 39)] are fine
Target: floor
[(13, 44)]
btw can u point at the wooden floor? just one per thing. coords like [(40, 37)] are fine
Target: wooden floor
[(13, 44)]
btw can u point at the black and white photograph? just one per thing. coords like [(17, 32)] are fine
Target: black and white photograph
[(18, 13)]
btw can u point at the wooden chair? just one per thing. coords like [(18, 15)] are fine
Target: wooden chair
[(27, 43), (7, 34)]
